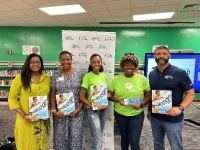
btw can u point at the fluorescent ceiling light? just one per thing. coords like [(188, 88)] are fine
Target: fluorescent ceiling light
[(155, 16), (62, 10)]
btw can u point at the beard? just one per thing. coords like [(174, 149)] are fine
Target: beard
[(163, 62)]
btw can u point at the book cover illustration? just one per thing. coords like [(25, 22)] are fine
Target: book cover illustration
[(131, 101), (99, 96), (161, 101), (65, 103), (38, 107)]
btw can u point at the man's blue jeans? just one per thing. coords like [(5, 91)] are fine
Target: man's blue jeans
[(173, 131), (130, 128), (96, 121)]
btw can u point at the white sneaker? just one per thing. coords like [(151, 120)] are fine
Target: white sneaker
[(198, 106)]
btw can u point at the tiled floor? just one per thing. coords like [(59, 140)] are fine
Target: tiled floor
[(191, 132)]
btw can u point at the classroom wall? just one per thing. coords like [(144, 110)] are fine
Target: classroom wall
[(136, 40)]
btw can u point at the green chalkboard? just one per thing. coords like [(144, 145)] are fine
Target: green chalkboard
[(136, 40)]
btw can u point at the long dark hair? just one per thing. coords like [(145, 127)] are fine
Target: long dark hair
[(90, 67), (26, 71)]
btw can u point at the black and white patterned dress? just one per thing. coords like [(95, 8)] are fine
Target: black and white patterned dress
[(68, 131)]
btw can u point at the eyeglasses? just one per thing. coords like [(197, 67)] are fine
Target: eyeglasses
[(35, 63)]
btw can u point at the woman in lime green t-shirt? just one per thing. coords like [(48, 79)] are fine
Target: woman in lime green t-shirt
[(130, 91), (93, 88)]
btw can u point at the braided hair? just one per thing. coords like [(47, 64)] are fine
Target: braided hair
[(129, 58)]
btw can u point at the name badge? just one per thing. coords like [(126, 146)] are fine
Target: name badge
[(60, 78)]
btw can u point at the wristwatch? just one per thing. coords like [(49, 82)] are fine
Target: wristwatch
[(181, 107)]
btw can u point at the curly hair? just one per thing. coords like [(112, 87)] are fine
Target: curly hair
[(129, 58)]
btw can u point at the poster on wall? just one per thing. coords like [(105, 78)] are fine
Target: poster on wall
[(82, 44), (29, 49)]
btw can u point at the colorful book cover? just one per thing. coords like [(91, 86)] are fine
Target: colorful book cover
[(65, 103), (161, 101), (131, 101), (99, 96), (38, 107)]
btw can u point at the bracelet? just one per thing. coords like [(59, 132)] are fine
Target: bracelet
[(24, 115), (52, 111), (141, 105)]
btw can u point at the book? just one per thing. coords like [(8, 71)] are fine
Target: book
[(99, 96), (161, 101), (131, 101), (38, 107), (4, 94), (65, 103)]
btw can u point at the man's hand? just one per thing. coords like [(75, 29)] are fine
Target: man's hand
[(174, 111)]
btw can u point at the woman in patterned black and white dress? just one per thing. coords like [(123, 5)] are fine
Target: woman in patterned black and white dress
[(68, 129)]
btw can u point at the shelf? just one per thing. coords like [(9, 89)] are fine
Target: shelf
[(4, 64), (9, 70), (6, 76)]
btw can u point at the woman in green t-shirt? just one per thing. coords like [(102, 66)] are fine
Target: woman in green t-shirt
[(95, 80), (130, 91)]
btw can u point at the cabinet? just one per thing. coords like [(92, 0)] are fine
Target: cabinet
[(8, 71)]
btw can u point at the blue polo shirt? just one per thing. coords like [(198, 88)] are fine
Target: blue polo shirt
[(174, 79)]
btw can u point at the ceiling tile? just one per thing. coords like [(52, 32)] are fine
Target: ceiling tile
[(119, 4), (166, 8), (169, 2), (64, 17), (143, 3), (184, 14), (105, 19), (5, 8), (97, 11), (39, 3), (17, 4), (88, 1), (34, 12), (179, 19), (100, 14), (4, 16), (197, 14), (194, 19), (82, 16), (63, 2), (143, 10), (121, 12), (94, 7), (16, 14), (123, 19)]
